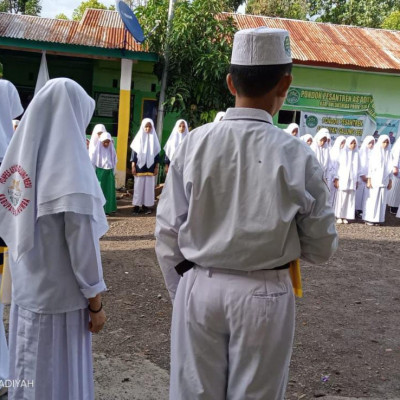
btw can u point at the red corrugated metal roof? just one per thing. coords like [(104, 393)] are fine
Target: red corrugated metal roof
[(332, 45), (97, 28)]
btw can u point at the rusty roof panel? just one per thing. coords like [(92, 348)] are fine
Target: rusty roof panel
[(341, 45), (97, 28)]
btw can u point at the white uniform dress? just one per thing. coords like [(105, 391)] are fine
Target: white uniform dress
[(52, 220), (240, 199), (10, 108), (364, 153), (334, 154), (380, 172), (393, 199)]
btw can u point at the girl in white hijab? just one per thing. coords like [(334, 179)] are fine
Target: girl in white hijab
[(379, 182), (145, 160), (175, 139), (96, 133), (51, 209), (393, 200), (293, 129), (105, 160), (307, 138), (334, 154), (321, 149), (364, 153), (346, 180)]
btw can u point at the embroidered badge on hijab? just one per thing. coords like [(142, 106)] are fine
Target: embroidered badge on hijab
[(18, 181)]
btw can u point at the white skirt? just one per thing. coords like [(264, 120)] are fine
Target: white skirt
[(143, 191), (360, 194), (375, 205), (51, 354), (345, 204), (393, 196)]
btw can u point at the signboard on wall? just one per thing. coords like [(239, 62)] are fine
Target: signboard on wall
[(388, 126), (346, 125), (106, 104)]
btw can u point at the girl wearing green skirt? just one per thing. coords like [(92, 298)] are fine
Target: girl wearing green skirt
[(105, 160)]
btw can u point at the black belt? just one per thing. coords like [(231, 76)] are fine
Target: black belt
[(187, 265)]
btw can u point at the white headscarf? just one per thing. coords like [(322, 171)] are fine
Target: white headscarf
[(47, 169), (306, 138), (396, 154), (146, 145), (335, 151), (105, 157), (10, 108), (175, 139), (380, 164), (220, 116), (322, 153), (99, 128), (365, 154), (291, 127), (348, 166)]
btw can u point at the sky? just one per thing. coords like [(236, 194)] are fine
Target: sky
[(50, 8)]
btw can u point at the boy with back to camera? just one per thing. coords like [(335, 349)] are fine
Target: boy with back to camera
[(241, 201)]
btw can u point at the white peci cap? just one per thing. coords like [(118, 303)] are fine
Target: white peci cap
[(261, 46)]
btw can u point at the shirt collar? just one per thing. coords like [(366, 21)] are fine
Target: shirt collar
[(247, 113)]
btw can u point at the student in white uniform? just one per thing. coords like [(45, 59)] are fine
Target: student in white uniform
[(334, 155), (293, 129), (393, 200), (346, 180), (175, 139), (320, 147), (10, 107), (52, 221), (242, 199), (307, 138), (364, 154), (145, 162), (379, 182), (94, 139)]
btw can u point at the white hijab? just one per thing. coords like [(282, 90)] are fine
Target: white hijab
[(306, 138), (380, 164), (175, 139), (396, 154), (365, 154), (47, 169), (10, 108), (146, 145), (335, 151), (105, 157), (220, 116), (322, 153), (348, 166), (99, 128), (291, 127)]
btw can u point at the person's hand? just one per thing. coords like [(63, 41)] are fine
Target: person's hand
[(166, 168), (97, 321), (395, 171), (390, 184), (134, 171), (336, 183), (155, 172), (369, 186)]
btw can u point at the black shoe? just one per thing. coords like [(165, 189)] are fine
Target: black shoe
[(136, 210), (146, 210), (393, 210)]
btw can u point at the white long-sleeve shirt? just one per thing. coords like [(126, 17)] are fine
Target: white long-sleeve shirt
[(242, 194), (63, 269)]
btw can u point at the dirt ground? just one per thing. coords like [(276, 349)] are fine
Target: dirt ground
[(347, 340)]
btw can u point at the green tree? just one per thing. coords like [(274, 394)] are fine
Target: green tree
[(295, 9), (78, 12), (28, 7), (199, 54), (392, 21), (61, 16), (369, 13)]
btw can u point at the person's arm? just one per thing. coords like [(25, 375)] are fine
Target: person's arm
[(171, 214), (134, 169), (84, 250), (156, 169), (316, 222)]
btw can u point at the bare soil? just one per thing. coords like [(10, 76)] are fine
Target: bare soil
[(347, 340)]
